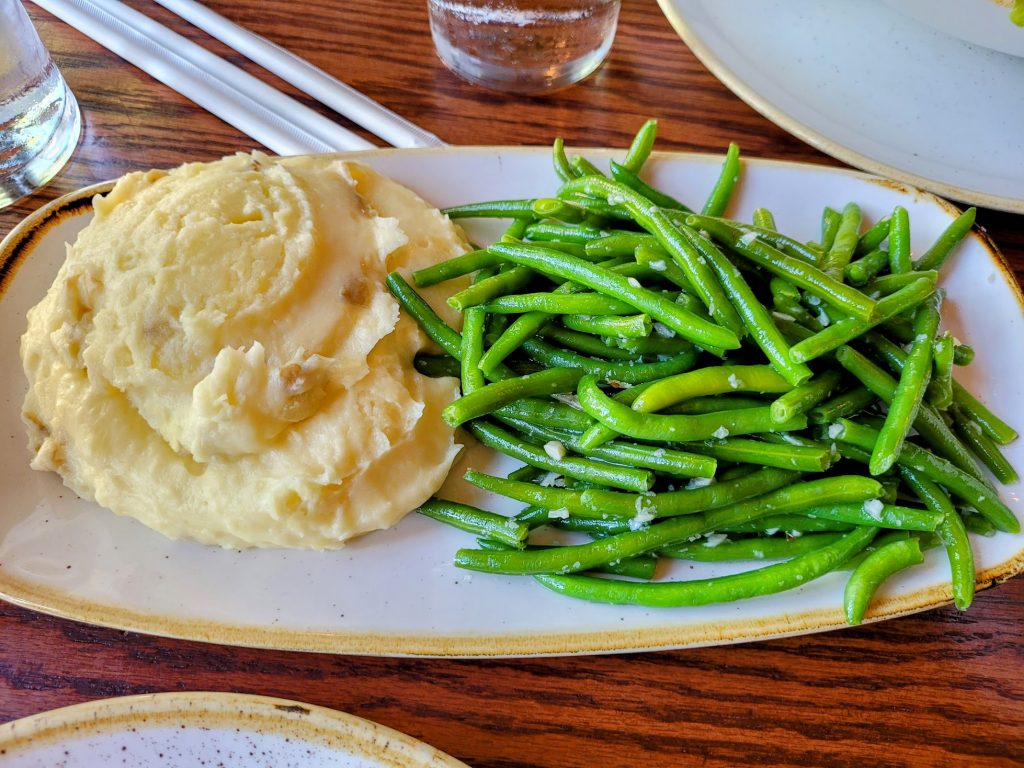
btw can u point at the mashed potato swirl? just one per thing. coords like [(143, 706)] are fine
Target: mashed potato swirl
[(219, 357)]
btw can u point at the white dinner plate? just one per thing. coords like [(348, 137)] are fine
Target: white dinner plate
[(396, 592), (872, 87), (183, 730)]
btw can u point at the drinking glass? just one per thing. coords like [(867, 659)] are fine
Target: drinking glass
[(523, 46), (39, 118)]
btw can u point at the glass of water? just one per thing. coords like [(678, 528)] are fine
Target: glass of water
[(523, 46), (40, 123)]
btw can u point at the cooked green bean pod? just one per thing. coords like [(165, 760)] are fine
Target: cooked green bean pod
[(875, 569), (762, 581), (952, 533)]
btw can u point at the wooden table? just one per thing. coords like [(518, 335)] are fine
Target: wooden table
[(940, 688)]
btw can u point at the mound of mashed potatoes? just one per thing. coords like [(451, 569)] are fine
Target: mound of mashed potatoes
[(220, 359)]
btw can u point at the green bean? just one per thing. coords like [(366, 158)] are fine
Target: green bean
[(654, 258), (712, 403), (844, 243), (967, 487), (899, 241), (655, 344), (625, 176), (958, 229), (584, 167), (629, 478), (436, 329), (940, 388), (983, 447), (523, 328), (887, 284), (795, 270), (962, 353), (718, 198), (484, 400), (456, 266), (623, 244), (515, 231), (978, 524), (873, 238), (906, 400), (763, 219), (762, 581), (669, 461), (563, 168), (577, 558), (876, 513), (560, 210), (592, 346), (770, 548), (686, 324), (973, 408), (786, 300), (640, 147), (928, 423), (952, 534), (494, 209), (655, 221), (558, 303), (473, 320), (850, 328), (992, 425), (830, 219), (596, 503), (788, 245), (477, 521), (624, 326), (804, 397), (675, 428), (436, 366), (793, 525), (804, 459), (623, 371), (847, 403), (491, 287), (547, 413), (639, 567), (585, 557), (861, 271), (709, 381), (570, 233), (756, 319), (873, 570)]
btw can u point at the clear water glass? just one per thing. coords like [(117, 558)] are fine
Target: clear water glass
[(523, 46), (40, 123)]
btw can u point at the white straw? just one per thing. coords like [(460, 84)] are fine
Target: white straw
[(333, 135), (343, 99), (269, 127)]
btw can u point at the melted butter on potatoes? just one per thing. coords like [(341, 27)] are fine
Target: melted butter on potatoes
[(219, 356)]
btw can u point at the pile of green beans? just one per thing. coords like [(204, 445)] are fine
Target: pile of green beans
[(682, 385)]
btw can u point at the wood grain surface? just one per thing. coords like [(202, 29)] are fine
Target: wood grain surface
[(936, 689)]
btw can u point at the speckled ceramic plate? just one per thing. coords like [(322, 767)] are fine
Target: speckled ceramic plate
[(872, 87), (396, 591), (184, 730)]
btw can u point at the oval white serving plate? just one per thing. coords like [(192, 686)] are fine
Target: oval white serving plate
[(181, 730), (872, 87), (396, 592)]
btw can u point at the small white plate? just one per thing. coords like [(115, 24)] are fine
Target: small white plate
[(182, 730), (396, 592), (872, 87)]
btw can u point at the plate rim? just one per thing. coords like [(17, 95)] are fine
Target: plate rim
[(815, 138), (17, 246), (311, 722)]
